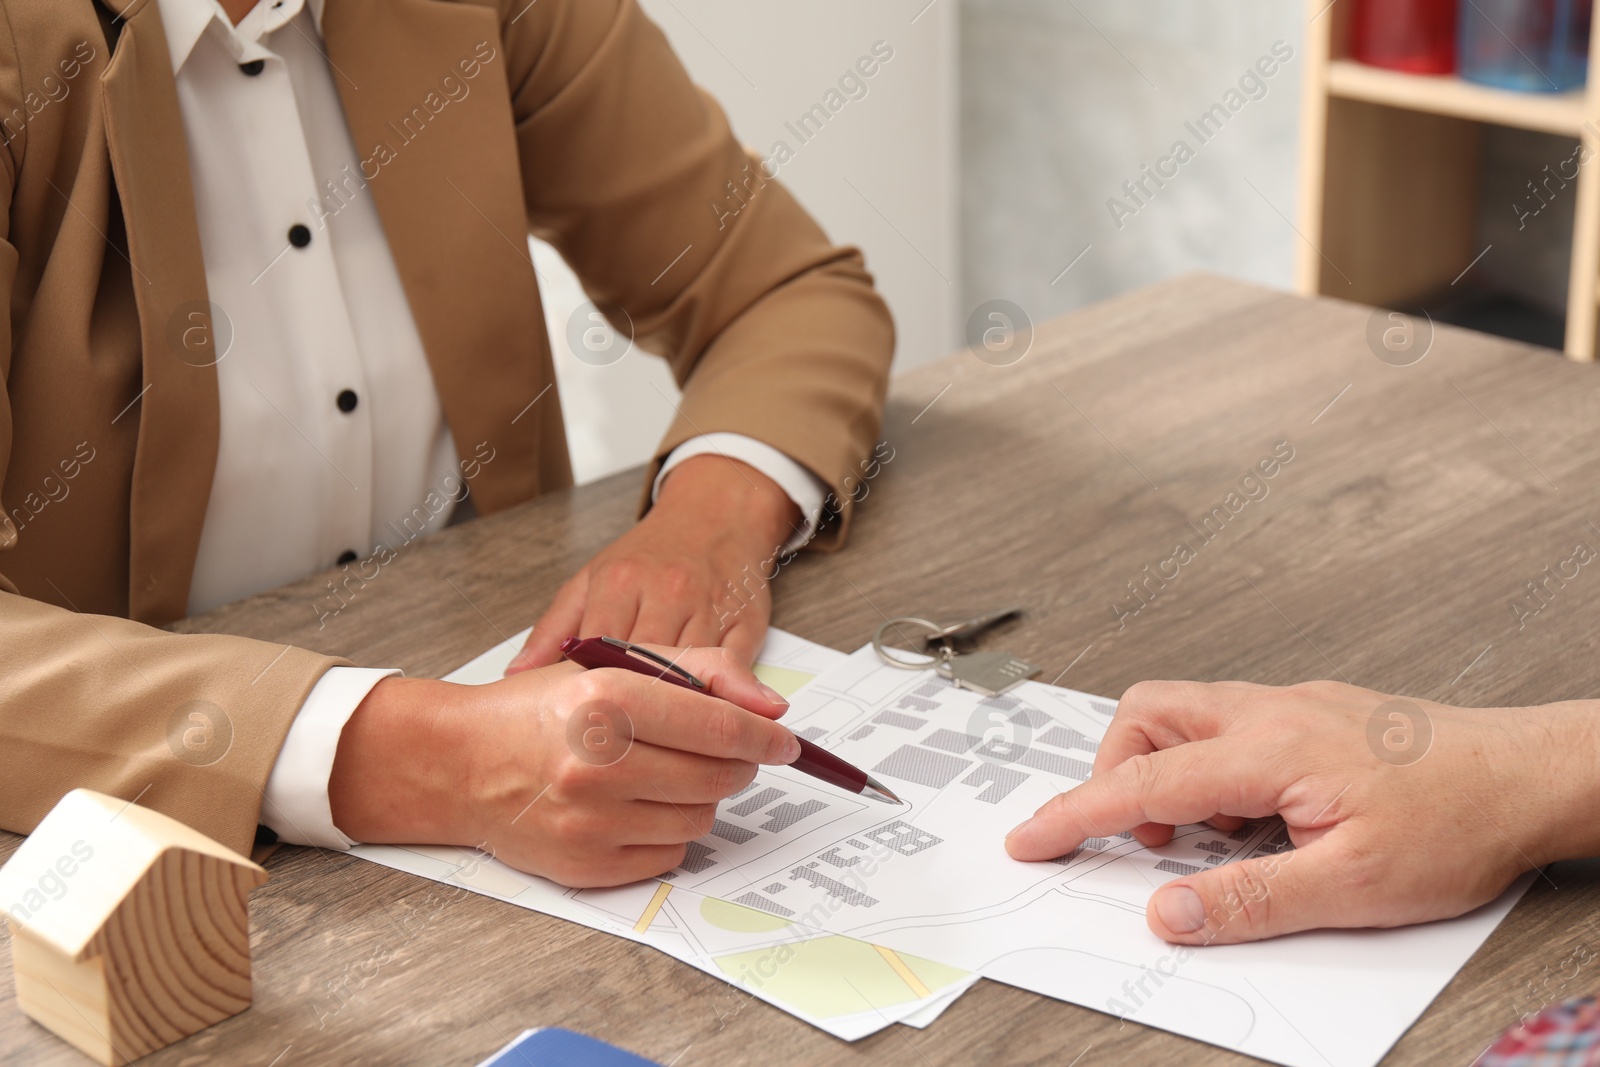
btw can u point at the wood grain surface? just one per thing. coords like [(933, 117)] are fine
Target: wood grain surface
[(1387, 552)]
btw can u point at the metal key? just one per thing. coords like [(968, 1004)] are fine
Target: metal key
[(989, 673), (968, 627)]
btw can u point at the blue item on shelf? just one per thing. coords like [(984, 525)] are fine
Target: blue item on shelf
[(1532, 46)]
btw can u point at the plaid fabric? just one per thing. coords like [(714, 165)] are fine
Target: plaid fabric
[(1566, 1035)]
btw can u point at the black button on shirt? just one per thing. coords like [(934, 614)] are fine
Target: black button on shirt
[(254, 67), (348, 400), (299, 235), (348, 556)]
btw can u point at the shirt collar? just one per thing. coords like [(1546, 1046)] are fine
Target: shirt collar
[(186, 21)]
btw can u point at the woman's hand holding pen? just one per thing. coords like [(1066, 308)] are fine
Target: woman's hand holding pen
[(587, 777)]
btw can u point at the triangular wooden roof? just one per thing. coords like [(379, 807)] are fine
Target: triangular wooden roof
[(125, 840)]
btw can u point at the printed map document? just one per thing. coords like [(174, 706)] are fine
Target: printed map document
[(924, 899), (840, 985)]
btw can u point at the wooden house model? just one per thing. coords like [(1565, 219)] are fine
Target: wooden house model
[(129, 930)]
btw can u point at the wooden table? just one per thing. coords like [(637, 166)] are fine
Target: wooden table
[(1387, 552)]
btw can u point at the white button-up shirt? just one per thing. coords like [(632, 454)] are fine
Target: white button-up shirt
[(332, 433)]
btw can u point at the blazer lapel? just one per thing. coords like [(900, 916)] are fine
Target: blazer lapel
[(178, 411), (438, 151)]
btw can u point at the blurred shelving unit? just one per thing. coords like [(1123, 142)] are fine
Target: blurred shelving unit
[(1389, 176)]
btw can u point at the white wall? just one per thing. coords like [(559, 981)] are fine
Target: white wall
[(1062, 102), (882, 174)]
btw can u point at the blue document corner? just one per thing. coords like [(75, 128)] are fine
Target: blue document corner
[(552, 1047)]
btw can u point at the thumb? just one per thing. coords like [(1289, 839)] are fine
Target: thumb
[(1248, 900), (559, 622), (726, 676)]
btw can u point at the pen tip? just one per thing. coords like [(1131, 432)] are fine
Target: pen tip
[(878, 791)]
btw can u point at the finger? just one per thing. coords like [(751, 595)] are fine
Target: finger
[(1124, 739), (607, 867), (728, 677), (1226, 823), (559, 622), (674, 717), (653, 860), (1178, 785), (1252, 899), (700, 631), (653, 822), (661, 621), (650, 772), (743, 640), (1157, 715), (730, 611), (609, 610)]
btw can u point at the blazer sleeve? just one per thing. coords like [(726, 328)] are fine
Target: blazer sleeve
[(186, 725), (189, 725), (680, 236)]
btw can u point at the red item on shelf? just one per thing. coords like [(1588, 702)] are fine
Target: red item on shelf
[(1416, 36)]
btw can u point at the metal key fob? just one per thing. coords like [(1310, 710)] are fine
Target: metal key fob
[(989, 673)]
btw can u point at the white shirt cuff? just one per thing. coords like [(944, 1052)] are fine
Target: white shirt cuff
[(295, 804), (798, 484)]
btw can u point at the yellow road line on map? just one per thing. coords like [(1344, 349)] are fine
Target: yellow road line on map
[(900, 968), (654, 907)]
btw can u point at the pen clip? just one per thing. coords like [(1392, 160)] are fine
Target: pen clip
[(654, 657)]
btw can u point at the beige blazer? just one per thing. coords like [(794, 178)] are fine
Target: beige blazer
[(582, 128)]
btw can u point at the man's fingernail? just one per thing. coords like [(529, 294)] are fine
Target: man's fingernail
[(1181, 910), (1017, 827), (772, 695)]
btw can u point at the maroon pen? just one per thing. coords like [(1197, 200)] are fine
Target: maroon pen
[(593, 653)]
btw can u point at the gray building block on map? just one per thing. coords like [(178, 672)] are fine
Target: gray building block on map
[(697, 857), (998, 781), (1032, 717), (1174, 867), (832, 859), (1063, 737), (854, 897), (1065, 766), (785, 815), (904, 838), (950, 741), (999, 750), (756, 900), (922, 765), (757, 802)]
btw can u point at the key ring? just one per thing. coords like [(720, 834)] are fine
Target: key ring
[(905, 665)]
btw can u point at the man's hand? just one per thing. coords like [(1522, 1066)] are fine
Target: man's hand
[(1401, 811), (587, 777), (695, 571)]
